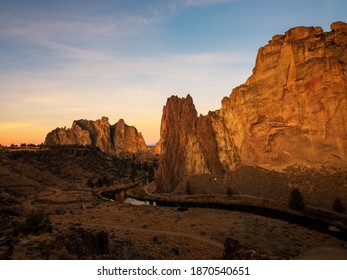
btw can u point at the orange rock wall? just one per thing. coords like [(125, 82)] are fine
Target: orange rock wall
[(291, 111)]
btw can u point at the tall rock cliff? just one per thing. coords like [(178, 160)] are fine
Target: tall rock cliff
[(291, 111), (111, 139)]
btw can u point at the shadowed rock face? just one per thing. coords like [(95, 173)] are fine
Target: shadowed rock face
[(291, 111), (111, 139)]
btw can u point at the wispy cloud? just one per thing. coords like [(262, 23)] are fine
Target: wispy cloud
[(88, 37), (80, 36), (122, 81), (112, 68), (176, 5), (26, 25), (192, 3), (73, 52), (81, 67)]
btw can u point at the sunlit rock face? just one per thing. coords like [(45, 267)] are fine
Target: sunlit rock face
[(291, 111), (177, 127), (125, 138), (111, 139)]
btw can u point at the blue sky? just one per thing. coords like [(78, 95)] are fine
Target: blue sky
[(66, 60)]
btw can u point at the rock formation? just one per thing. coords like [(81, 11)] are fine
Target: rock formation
[(291, 111), (111, 139), (126, 138)]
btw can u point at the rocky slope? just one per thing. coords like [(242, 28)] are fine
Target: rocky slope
[(111, 139), (291, 111)]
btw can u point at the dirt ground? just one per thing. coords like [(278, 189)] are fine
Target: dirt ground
[(141, 232), (166, 233)]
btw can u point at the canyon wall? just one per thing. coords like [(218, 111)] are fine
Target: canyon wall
[(292, 111), (111, 139)]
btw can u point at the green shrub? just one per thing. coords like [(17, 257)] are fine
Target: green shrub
[(90, 183), (229, 192), (338, 206), (296, 200), (36, 222), (99, 183)]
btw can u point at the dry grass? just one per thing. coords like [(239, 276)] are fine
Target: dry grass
[(144, 232)]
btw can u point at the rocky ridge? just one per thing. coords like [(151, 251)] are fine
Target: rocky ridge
[(111, 139), (292, 111)]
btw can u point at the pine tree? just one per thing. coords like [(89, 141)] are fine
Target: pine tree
[(229, 192), (90, 183), (338, 206), (296, 200)]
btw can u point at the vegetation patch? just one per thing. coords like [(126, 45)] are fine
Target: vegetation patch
[(36, 223), (296, 200), (338, 206)]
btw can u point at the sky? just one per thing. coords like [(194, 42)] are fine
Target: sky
[(66, 60)]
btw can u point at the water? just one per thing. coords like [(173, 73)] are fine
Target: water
[(134, 201)]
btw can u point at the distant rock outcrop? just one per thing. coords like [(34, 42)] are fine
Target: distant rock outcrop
[(126, 138), (291, 111), (111, 139)]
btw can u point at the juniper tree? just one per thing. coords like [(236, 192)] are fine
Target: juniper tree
[(296, 200), (338, 206)]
